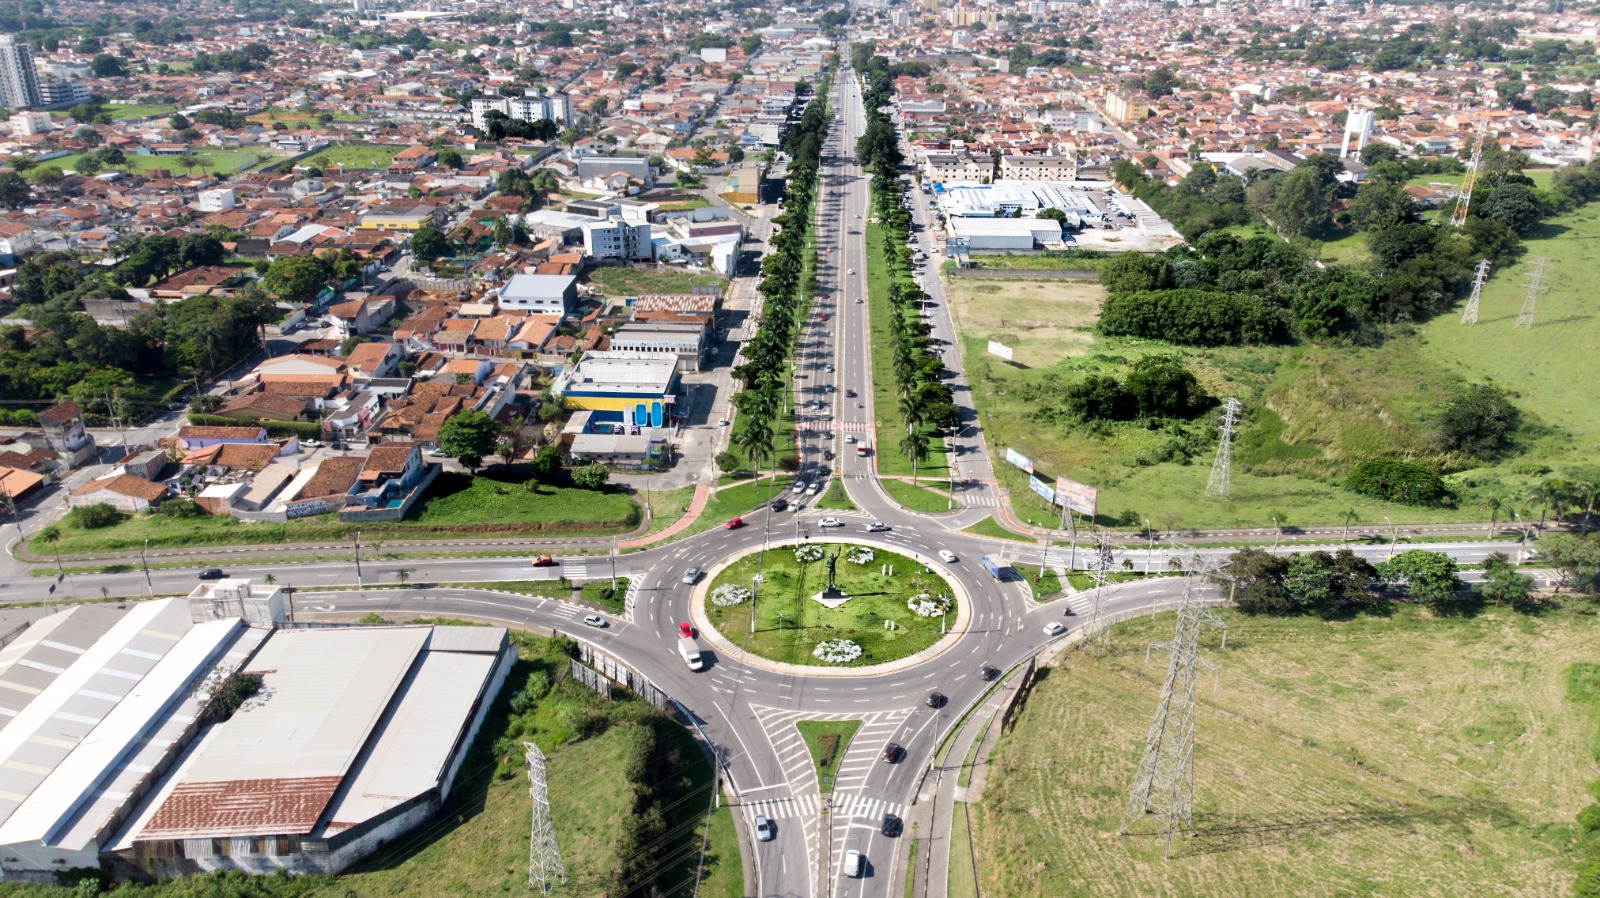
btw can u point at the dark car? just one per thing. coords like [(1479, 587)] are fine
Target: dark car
[(891, 752), (211, 573), (987, 673), (936, 700), (891, 825), (780, 504)]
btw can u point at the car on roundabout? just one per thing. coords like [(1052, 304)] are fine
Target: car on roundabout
[(947, 556), (595, 620), (734, 523), (1055, 628), (764, 830), (830, 522), (686, 630), (987, 673), (878, 527), (891, 752), (691, 575), (936, 699)]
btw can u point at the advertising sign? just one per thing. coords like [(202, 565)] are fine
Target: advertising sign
[(1020, 460), (1077, 497), (1042, 488), (1000, 349)]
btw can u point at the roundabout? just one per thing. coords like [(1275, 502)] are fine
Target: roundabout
[(781, 608)]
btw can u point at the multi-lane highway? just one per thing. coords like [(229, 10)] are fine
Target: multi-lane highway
[(748, 708)]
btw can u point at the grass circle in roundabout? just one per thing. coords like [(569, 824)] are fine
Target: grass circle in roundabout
[(790, 624)]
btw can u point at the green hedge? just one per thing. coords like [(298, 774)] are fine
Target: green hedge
[(305, 430)]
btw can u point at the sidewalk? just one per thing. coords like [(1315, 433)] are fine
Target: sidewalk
[(702, 495)]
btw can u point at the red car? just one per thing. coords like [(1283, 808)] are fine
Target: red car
[(543, 561), (685, 630), (734, 523), (824, 316)]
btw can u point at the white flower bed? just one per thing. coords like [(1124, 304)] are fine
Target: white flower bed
[(807, 554), (925, 605), (837, 651), (729, 594), (861, 555)]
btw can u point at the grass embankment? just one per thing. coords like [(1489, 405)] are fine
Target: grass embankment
[(222, 162), (827, 741), (479, 844), (623, 281), (891, 427), (789, 623), (1405, 755), (991, 528), (736, 501), (1312, 412), (963, 876), (917, 497), (456, 506), (834, 498), (667, 506)]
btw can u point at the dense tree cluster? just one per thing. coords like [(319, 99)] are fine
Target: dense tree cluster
[(1398, 480), (1321, 583), (500, 126), (1157, 388), (785, 294)]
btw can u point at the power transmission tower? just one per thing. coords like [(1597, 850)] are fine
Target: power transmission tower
[(1164, 786), (1458, 215), (544, 855), (1535, 287), (1099, 572), (1221, 467), (1469, 315)]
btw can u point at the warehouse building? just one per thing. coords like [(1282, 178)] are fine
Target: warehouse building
[(637, 387), (1006, 233)]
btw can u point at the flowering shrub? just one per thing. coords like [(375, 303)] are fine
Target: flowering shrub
[(729, 594), (925, 605), (807, 554), (861, 555), (837, 651)]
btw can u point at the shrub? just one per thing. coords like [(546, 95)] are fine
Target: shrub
[(180, 508), (1192, 317), (1397, 480), (94, 517), (827, 746)]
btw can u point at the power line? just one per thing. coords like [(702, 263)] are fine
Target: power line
[(1469, 315), (544, 855), (1163, 788), (1221, 467), (1535, 287)]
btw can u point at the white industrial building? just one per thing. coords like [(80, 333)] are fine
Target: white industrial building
[(110, 755), (1085, 203), (541, 294), (1006, 233)]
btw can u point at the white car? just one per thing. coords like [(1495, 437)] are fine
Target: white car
[(852, 271), (830, 522), (722, 422), (1055, 628), (814, 488), (947, 556), (849, 438), (595, 620), (854, 864), (798, 488), (764, 831)]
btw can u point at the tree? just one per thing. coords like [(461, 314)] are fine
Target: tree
[(1502, 583), (591, 476), (1576, 558), (1397, 480), (1051, 213), (727, 462), (1160, 83), (467, 436), (429, 243), (915, 447), (1509, 91), (1257, 582), (546, 463), (14, 190), (107, 66), (1300, 205), (1160, 387), (1478, 421), (1513, 205), (296, 278), (450, 159), (1430, 577)]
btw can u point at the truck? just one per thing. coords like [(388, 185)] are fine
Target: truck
[(995, 565), (693, 655)]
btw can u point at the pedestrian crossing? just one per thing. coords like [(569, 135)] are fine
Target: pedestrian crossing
[(575, 571), (826, 424), (842, 808)]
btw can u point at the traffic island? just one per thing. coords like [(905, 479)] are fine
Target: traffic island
[(878, 607)]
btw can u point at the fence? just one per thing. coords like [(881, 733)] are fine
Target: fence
[(590, 677), (10, 635), (614, 669)]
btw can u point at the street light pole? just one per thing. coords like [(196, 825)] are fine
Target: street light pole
[(146, 563), (1150, 546), (1394, 536), (1276, 532), (356, 544)]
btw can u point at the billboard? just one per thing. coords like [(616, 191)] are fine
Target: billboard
[(1076, 496), (1020, 460), (1042, 488), (1000, 349)]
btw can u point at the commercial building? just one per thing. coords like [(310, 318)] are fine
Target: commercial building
[(541, 294), (687, 341), (19, 81), (354, 738), (1038, 168), (636, 387), (1005, 233), (400, 219), (617, 239), (57, 92)]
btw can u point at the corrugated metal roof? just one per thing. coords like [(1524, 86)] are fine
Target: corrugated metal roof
[(274, 765), (412, 747), (467, 639), (36, 657), (77, 699)]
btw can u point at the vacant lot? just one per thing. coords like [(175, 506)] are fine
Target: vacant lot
[(620, 281), (364, 156), (1311, 411), (1404, 756), (1041, 321), (217, 162)]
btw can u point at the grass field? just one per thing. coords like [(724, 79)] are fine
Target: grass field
[(891, 428), (1400, 756), (1039, 261), (121, 112), (456, 506), (834, 499), (1348, 247), (1040, 320), (916, 497), (789, 623), (990, 528), (362, 156), (963, 878), (810, 730), (295, 117), (622, 281), (223, 162), (1311, 411), (667, 506)]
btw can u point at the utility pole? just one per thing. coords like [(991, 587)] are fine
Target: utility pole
[(1164, 784), (146, 563), (1535, 287), (1100, 572), (356, 545), (1469, 315), (544, 855), (613, 565), (1221, 466)]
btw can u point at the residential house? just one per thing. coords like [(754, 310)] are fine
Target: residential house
[(196, 437), (124, 492), (65, 433), (375, 360)]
